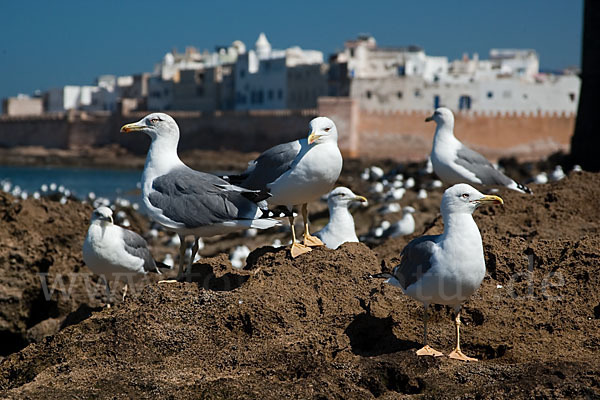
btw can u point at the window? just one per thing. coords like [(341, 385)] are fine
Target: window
[(572, 96), (280, 94), (506, 94), (242, 73), (525, 96), (199, 91), (490, 94), (417, 92), (464, 102), (270, 94), (260, 97), (368, 94), (399, 95)]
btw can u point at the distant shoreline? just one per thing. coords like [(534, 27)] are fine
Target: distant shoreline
[(116, 157)]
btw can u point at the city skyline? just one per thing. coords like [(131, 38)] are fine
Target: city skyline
[(67, 43)]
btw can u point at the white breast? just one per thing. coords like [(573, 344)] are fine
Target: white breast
[(314, 175)]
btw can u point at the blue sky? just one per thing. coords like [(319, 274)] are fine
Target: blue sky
[(46, 44)]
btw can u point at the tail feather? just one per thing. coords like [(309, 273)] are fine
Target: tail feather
[(264, 223)]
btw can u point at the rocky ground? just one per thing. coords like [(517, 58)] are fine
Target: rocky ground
[(312, 327)]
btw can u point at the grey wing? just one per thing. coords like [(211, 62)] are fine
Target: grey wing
[(416, 260), (138, 247), (481, 167), (271, 164), (198, 199)]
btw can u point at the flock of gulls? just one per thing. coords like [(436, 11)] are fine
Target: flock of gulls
[(442, 269)]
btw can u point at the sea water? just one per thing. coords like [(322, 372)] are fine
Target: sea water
[(108, 183)]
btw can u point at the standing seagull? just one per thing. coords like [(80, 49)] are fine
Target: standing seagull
[(297, 173), (340, 228), (447, 268), (455, 163), (190, 202), (112, 252)]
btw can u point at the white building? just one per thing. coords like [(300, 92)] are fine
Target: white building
[(278, 79), (406, 79), (365, 60), (68, 98)]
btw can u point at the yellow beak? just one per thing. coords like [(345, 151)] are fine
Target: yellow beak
[(491, 199), (312, 137), (360, 198), (133, 127)]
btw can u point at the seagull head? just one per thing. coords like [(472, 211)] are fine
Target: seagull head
[(464, 199), (155, 125), (441, 116), (322, 129), (102, 214), (343, 197)]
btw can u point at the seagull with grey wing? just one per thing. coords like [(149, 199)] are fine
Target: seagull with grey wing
[(447, 268), (297, 173), (455, 163), (113, 252), (189, 202)]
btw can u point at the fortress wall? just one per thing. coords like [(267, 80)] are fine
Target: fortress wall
[(403, 136)]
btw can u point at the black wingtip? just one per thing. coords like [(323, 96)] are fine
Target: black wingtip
[(524, 188), (161, 265), (383, 275), (256, 196)]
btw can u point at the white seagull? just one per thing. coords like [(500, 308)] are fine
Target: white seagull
[(455, 163), (297, 173), (113, 252), (447, 268), (404, 226), (340, 228), (190, 202)]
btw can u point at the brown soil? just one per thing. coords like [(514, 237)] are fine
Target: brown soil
[(316, 326)]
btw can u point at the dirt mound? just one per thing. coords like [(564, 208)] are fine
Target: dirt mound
[(37, 237), (319, 327)]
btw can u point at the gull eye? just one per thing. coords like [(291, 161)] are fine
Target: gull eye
[(464, 195), (327, 129)]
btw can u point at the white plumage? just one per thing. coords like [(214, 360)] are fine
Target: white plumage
[(340, 228)]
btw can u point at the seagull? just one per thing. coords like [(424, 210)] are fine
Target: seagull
[(190, 202), (541, 178), (389, 208), (455, 163), (447, 268), (557, 174), (405, 226), (112, 252), (297, 173), (340, 228)]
